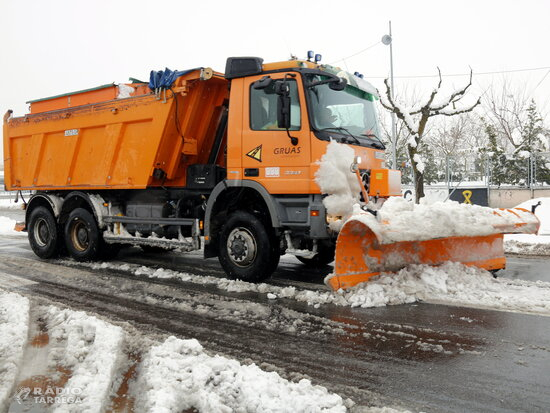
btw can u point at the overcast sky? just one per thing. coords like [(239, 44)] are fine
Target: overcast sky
[(56, 46)]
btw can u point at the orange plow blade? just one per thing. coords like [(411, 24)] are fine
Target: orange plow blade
[(361, 253)]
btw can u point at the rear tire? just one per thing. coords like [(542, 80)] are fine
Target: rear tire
[(43, 233), (247, 249), (82, 236), (325, 255)]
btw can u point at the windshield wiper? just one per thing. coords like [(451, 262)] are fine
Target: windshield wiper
[(339, 128), (372, 135)]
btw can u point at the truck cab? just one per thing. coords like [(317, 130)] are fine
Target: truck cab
[(282, 117)]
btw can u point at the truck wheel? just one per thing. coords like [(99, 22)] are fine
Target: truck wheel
[(246, 249), (325, 255), (82, 235), (43, 233)]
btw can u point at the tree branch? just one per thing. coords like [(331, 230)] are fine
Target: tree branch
[(455, 96)]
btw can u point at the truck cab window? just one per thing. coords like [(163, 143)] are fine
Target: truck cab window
[(263, 108)]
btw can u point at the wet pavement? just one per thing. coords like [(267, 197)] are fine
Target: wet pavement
[(422, 357)]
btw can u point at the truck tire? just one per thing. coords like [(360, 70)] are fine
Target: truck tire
[(82, 236), (325, 255), (43, 233), (247, 249)]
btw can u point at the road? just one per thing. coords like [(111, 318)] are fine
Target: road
[(422, 357)]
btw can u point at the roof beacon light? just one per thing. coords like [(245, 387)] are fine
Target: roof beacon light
[(310, 55), (318, 58)]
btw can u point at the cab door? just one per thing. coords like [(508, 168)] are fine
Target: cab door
[(268, 155)]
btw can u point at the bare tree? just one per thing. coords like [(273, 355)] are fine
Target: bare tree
[(416, 120), (508, 110)]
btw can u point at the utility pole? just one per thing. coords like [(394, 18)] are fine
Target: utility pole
[(387, 40)]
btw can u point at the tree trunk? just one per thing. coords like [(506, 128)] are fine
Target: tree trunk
[(418, 177), (418, 185)]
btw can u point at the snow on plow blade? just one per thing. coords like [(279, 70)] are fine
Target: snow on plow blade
[(366, 248)]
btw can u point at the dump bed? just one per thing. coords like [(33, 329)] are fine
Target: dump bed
[(128, 143)]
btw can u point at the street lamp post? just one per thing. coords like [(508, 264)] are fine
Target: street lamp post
[(387, 40)]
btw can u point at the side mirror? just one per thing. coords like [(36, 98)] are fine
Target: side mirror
[(282, 88), (262, 83), (340, 85)]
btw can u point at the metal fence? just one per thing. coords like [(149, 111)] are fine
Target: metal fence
[(486, 170)]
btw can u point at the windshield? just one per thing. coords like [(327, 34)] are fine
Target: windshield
[(347, 112)]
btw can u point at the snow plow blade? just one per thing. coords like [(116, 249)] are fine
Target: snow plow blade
[(363, 251)]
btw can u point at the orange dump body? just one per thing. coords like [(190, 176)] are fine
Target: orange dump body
[(114, 143)]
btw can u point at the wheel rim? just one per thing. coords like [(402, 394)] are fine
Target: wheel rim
[(241, 247), (80, 236), (41, 232)]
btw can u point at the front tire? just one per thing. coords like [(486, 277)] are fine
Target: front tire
[(246, 248), (82, 236), (43, 233)]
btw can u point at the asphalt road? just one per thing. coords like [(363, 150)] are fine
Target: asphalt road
[(423, 357)]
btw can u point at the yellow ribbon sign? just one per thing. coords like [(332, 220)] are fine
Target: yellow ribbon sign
[(467, 194)]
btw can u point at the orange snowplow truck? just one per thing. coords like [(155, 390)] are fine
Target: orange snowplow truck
[(196, 155)]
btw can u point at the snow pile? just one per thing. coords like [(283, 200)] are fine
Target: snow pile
[(336, 179), (530, 244), (401, 220), (14, 328), (178, 375), (7, 225), (8, 203), (451, 283), (92, 352)]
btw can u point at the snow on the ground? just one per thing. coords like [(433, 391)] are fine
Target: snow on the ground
[(92, 353), (8, 203), (7, 227), (14, 327), (174, 375), (178, 374), (451, 282), (530, 244)]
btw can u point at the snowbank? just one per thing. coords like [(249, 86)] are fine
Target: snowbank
[(451, 283), (14, 329), (92, 353), (178, 375), (7, 225), (528, 244)]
